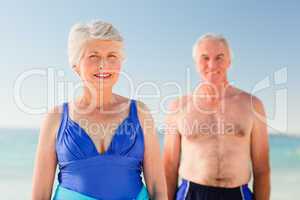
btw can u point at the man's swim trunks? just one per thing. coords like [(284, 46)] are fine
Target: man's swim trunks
[(193, 191)]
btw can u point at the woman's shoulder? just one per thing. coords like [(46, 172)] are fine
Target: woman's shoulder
[(54, 114), (144, 113), (141, 106), (121, 99), (51, 121)]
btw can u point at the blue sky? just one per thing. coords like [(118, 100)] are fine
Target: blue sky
[(264, 36)]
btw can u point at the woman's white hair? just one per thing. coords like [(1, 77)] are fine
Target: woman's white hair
[(82, 32), (211, 36)]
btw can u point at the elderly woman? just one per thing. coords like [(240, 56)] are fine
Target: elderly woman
[(102, 142)]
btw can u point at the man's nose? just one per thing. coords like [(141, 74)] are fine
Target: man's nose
[(212, 65)]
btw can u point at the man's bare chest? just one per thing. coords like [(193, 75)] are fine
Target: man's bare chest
[(229, 121)]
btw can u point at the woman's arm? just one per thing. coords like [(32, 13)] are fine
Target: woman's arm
[(172, 150), (153, 168), (45, 161)]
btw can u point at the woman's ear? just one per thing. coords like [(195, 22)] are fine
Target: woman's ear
[(76, 69)]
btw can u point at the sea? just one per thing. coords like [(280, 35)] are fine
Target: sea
[(18, 147)]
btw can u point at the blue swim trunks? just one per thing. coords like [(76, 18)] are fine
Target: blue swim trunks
[(193, 191)]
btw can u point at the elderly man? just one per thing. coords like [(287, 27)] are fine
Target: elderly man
[(216, 135)]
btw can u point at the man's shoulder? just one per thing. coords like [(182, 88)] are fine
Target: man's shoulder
[(179, 102), (249, 100), (244, 95)]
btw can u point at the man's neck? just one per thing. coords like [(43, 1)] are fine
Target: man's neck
[(210, 95), (211, 89), (221, 90)]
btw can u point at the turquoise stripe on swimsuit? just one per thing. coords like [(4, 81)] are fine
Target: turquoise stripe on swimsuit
[(65, 194)]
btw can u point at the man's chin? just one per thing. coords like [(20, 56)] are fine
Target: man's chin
[(213, 81)]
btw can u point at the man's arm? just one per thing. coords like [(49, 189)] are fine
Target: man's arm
[(171, 152), (260, 152)]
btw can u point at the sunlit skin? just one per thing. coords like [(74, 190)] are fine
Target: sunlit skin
[(213, 61), (101, 57), (200, 147), (99, 69)]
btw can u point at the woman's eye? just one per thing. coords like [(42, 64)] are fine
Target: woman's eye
[(93, 57), (112, 59)]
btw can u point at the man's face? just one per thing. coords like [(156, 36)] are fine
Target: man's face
[(212, 61)]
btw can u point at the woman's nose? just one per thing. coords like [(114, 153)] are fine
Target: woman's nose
[(101, 64)]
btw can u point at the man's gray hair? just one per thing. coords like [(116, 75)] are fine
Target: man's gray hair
[(211, 36), (82, 32)]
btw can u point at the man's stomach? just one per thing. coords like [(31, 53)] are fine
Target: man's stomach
[(217, 172)]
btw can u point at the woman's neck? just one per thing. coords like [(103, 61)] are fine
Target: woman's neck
[(98, 99)]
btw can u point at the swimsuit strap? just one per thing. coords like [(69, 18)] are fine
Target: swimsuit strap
[(63, 122), (133, 110)]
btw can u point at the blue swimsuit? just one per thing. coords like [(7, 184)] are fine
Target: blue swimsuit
[(84, 174)]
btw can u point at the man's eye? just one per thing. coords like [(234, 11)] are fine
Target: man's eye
[(112, 56)]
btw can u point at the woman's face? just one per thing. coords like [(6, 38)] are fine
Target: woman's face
[(100, 63)]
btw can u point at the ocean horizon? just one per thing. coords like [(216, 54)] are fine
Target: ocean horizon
[(18, 147)]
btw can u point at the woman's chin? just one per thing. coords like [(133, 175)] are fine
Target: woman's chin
[(103, 85)]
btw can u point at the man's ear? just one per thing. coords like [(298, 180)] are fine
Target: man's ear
[(197, 67), (229, 64)]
